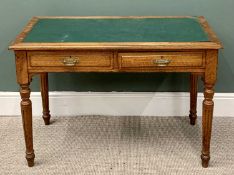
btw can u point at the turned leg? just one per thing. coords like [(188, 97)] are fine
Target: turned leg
[(45, 98), (193, 98), (207, 117), (26, 110), (208, 104), (24, 79)]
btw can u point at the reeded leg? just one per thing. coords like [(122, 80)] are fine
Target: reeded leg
[(26, 110), (193, 98), (208, 104), (45, 98), (207, 117)]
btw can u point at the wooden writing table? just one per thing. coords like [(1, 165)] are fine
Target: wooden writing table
[(117, 44)]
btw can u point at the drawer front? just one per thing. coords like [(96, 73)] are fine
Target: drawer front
[(161, 59), (71, 59)]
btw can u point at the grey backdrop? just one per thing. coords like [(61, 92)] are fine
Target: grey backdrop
[(14, 15)]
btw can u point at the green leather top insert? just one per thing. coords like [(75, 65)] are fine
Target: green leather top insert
[(118, 30)]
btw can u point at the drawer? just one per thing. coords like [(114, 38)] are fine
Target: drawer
[(71, 59), (161, 59)]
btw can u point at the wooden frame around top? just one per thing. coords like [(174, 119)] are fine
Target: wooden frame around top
[(18, 44)]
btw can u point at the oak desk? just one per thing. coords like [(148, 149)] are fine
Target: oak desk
[(117, 44)]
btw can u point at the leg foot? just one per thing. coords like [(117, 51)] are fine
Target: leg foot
[(30, 159), (193, 119), (46, 119), (205, 160)]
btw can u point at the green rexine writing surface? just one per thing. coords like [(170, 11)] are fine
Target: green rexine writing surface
[(118, 30)]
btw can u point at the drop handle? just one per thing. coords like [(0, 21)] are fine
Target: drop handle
[(70, 61), (161, 62)]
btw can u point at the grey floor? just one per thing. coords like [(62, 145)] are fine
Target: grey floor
[(106, 145)]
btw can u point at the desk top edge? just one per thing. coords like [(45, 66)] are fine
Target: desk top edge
[(18, 44)]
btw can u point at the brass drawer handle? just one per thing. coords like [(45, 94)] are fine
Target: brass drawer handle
[(161, 62), (70, 61)]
